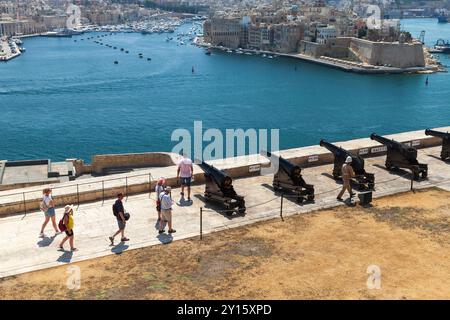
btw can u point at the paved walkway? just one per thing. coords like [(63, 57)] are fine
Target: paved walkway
[(21, 250)]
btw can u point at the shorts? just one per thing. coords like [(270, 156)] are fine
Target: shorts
[(186, 181), (50, 212), (166, 215), (121, 224), (69, 233)]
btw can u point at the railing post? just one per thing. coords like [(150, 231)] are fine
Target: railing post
[(24, 203), (281, 207), (78, 196), (149, 185), (412, 181), (201, 223), (103, 192), (126, 187)]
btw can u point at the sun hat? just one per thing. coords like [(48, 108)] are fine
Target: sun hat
[(68, 208), (168, 189)]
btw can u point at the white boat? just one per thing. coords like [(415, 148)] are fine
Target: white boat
[(248, 53), (239, 52), (264, 55), (270, 57), (230, 51)]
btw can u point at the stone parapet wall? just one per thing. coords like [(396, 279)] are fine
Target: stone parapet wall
[(92, 189)]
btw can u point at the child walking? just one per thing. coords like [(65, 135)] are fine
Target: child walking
[(68, 223)]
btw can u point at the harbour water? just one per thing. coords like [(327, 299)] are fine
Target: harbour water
[(66, 99)]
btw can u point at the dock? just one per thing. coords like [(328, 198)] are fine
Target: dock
[(8, 50)]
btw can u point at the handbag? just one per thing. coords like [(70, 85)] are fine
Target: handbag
[(126, 215)]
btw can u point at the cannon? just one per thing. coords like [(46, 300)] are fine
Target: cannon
[(363, 180), (289, 178), (402, 156), (445, 136), (219, 188)]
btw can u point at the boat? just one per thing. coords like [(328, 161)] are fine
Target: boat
[(270, 57), (56, 34), (248, 53), (17, 41), (442, 46), (442, 17), (230, 51)]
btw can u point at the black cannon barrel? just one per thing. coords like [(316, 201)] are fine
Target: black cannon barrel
[(290, 168), (220, 177), (386, 141), (338, 151), (439, 134)]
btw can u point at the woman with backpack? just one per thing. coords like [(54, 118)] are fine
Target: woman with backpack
[(48, 207), (66, 224)]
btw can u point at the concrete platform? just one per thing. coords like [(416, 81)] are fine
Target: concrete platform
[(22, 250)]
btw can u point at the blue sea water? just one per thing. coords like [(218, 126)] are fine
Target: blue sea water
[(65, 99)]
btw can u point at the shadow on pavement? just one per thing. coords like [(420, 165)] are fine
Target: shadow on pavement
[(46, 241), (119, 248), (66, 257), (165, 238)]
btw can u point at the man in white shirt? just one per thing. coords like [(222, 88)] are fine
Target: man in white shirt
[(185, 172), (166, 211)]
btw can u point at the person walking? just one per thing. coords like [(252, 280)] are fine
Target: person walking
[(185, 171), (48, 207), (159, 189), (166, 211), (68, 223), (347, 175), (119, 213)]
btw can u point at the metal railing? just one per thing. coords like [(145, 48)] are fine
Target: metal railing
[(22, 196), (282, 195)]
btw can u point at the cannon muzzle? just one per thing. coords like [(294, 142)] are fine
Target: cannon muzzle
[(219, 188), (291, 169), (439, 134)]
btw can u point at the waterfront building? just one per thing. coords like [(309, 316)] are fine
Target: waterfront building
[(226, 31), (324, 33), (11, 27), (287, 36)]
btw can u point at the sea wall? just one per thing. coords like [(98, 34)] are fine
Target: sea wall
[(394, 54), (400, 55), (105, 163)]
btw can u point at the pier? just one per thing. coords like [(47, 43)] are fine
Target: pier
[(8, 50)]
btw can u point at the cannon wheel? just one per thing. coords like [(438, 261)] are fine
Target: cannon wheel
[(310, 198)]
